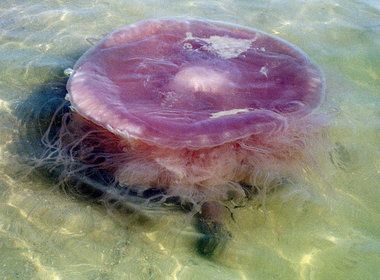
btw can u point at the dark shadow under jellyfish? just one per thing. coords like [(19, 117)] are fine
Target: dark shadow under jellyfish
[(185, 112)]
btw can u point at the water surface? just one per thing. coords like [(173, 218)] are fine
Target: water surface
[(325, 228)]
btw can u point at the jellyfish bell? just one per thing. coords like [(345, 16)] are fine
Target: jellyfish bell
[(204, 111), (196, 106)]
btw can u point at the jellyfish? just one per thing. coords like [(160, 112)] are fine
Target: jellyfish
[(193, 111)]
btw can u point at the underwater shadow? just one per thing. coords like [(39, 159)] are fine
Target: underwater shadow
[(40, 116)]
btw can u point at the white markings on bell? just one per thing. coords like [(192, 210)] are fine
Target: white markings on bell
[(228, 113), (224, 46), (264, 70)]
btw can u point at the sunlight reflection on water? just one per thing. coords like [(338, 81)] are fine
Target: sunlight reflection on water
[(328, 229)]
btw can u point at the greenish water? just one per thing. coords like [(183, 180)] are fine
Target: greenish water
[(329, 229)]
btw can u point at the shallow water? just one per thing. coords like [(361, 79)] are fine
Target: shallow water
[(326, 228)]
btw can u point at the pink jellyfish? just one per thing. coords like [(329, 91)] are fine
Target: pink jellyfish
[(202, 110)]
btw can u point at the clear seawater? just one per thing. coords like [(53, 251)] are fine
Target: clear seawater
[(326, 228)]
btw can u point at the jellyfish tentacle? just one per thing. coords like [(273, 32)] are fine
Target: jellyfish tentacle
[(214, 235)]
